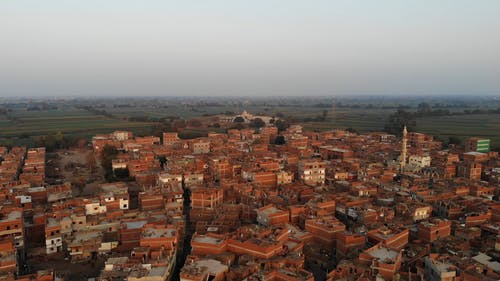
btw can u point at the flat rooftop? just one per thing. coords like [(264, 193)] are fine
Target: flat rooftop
[(135, 224), (384, 254), (14, 215), (271, 210), (487, 261), (207, 239), (159, 233)]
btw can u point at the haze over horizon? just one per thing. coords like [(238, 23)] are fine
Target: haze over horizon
[(249, 48)]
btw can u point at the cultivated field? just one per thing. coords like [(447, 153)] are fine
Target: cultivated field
[(25, 126), (463, 126)]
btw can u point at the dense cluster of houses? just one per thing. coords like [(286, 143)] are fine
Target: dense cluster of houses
[(328, 205)]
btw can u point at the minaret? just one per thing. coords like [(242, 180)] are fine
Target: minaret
[(403, 151)]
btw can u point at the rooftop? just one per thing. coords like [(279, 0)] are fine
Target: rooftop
[(384, 255), (207, 239), (158, 232)]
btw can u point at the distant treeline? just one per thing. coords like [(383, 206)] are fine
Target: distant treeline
[(95, 110), (425, 109), (399, 106), (144, 118), (41, 106)]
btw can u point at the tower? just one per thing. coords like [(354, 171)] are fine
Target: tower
[(403, 150)]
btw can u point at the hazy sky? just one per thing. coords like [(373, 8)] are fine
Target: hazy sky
[(254, 47)]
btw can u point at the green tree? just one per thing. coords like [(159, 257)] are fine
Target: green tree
[(398, 120), (238, 126), (163, 161), (282, 125), (454, 140), (257, 123), (239, 119), (109, 153), (121, 174), (280, 140), (48, 141), (424, 107), (352, 130)]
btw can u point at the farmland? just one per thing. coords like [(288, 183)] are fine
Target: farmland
[(23, 125), (462, 126), (26, 125)]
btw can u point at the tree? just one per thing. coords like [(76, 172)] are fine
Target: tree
[(454, 140), (257, 123), (282, 125), (398, 120), (47, 141), (109, 153), (238, 126), (188, 134), (67, 142), (352, 130), (424, 107), (91, 162), (121, 173), (163, 161), (162, 126), (280, 140), (239, 119), (324, 114)]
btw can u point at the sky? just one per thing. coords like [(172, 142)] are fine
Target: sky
[(249, 48)]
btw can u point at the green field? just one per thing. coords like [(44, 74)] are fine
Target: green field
[(463, 126), (358, 119), (25, 126), (22, 124)]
